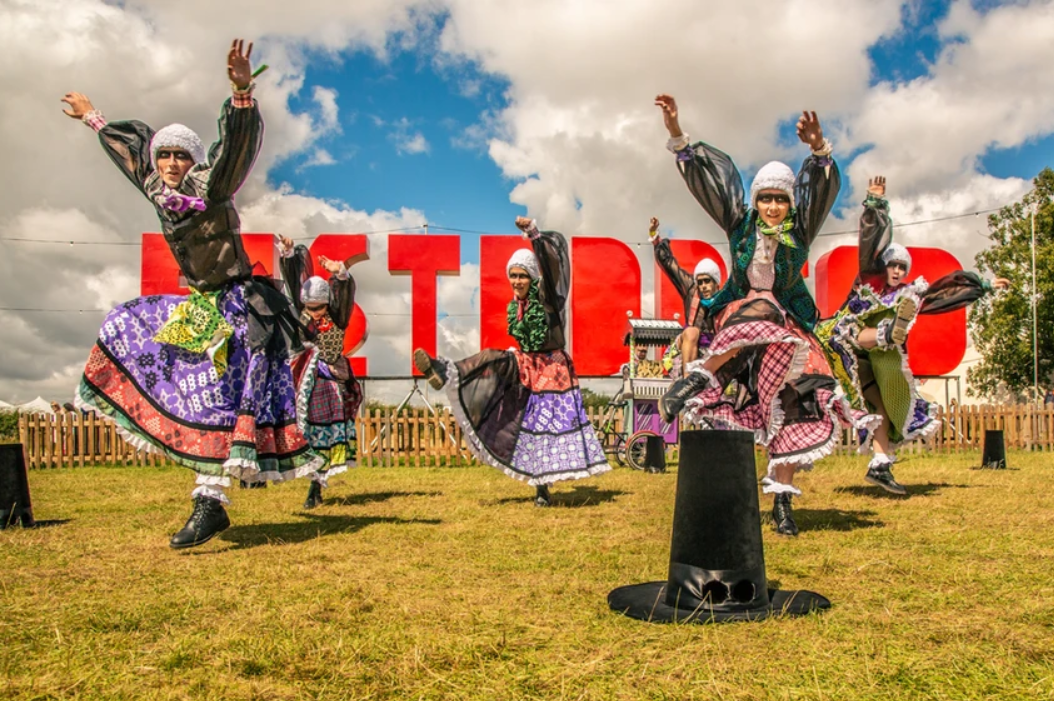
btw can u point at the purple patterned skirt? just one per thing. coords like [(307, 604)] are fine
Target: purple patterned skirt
[(523, 413), (172, 401)]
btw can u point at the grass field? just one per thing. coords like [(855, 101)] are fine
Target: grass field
[(449, 584)]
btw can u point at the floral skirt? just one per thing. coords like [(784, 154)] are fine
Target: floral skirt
[(911, 417), (523, 413), (239, 421), (328, 399), (778, 386)]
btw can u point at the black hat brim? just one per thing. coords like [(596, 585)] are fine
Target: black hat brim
[(647, 602)]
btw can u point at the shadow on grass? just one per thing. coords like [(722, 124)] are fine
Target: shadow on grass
[(835, 520), (370, 498), (582, 495), (41, 523), (313, 526), (914, 490)]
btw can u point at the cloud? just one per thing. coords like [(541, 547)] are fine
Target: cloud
[(407, 140)]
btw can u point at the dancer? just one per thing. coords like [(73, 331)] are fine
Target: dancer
[(764, 370), (203, 379), (521, 409), (328, 395), (865, 340), (697, 292)]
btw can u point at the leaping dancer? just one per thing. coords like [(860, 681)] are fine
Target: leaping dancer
[(764, 370), (865, 341), (521, 410), (203, 379)]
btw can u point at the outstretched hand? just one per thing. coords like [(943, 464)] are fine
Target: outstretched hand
[(877, 186), (1001, 283), (523, 224), (653, 227), (285, 243), (238, 68), (329, 265), (79, 104), (669, 114), (809, 130)]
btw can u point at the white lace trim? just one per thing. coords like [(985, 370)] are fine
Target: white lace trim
[(771, 486), (677, 143), (804, 461), (213, 480), (211, 493), (485, 456), (307, 385), (249, 470)]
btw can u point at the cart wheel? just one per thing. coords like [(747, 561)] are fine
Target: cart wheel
[(636, 449)]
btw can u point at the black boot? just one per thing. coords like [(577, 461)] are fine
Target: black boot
[(434, 370), (314, 496), (880, 475), (671, 403), (783, 515), (543, 498), (208, 519)]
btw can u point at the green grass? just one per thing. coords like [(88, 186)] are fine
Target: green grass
[(449, 584)]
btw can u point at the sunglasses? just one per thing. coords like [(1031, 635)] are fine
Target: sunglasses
[(769, 198), (703, 280)]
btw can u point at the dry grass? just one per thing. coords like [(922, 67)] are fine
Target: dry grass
[(449, 584)]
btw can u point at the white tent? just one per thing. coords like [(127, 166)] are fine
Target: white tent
[(4, 406), (37, 406)]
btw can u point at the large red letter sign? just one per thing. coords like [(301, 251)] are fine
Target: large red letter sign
[(937, 343), (423, 257), (605, 284), (688, 253)]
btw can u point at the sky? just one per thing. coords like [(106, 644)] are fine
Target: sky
[(388, 114)]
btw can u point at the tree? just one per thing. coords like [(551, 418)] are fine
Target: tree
[(1001, 327)]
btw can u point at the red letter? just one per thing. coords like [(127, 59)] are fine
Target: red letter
[(494, 290), (351, 249), (688, 253), (937, 343), (605, 284), (423, 257)]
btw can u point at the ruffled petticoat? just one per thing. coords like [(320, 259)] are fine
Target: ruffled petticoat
[(778, 386), (327, 403), (523, 413), (240, 424), (911, 417)]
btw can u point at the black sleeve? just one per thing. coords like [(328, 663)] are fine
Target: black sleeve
[(295, 270), (876, 233), (550, 247), (815, 191), (954, 291), (232, 156), (128, 146), (341, 299), (677, 275), (715, 182)]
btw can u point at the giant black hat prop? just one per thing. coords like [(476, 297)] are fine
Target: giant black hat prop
[(717, 562)]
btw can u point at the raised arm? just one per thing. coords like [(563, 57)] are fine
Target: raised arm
[(876, 231), (341, 291), (550, 247), (240, 127), (126, 143), (710, 174), (819, 180), (296, 267), (678, 276), (957, 290)]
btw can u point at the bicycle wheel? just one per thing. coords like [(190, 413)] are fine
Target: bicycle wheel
[(636, 449), (614, 444)]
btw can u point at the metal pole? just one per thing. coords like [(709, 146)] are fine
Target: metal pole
[(1035, 294)]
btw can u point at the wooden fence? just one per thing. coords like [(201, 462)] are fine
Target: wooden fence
[(416, 438)]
